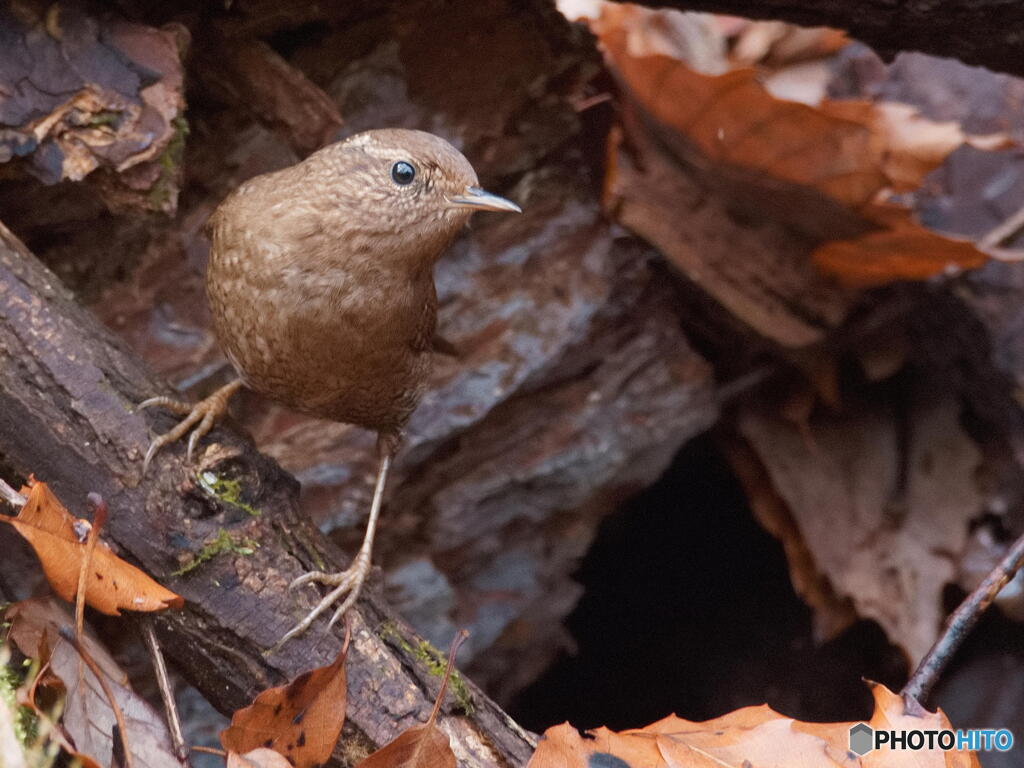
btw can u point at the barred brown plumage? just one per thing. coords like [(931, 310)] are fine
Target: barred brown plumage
[(321, 289)]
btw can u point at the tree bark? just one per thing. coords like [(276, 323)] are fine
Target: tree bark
[(67, 391), (981, 32)]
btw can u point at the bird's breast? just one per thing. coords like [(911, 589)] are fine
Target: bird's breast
[(347, 344)]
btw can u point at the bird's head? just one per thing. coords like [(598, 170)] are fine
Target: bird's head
[(408, 190)]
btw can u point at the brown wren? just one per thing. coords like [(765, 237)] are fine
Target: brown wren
[(321, 288)]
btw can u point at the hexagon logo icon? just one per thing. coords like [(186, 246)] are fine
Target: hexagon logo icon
[(862, 739)]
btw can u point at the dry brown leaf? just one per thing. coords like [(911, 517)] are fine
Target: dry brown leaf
[(733, 120), (849, 150), (759, 272), (421, 746), (90, 720), (692, 37), (753, 42), (902, 251), (301, 720), (35, 624), (850, 153), (805, 43), (258, 758), (53, 730), (26, 696), (87, 716), (832, 615), (898, 498), (113, 584), (805, 83), (752, 736), (728, 229)]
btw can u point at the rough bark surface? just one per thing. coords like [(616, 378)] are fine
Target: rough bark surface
[(67, 391), (92, 97)]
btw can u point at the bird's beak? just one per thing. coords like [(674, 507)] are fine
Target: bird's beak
[(478, 199)]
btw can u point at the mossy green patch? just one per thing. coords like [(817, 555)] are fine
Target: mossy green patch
[(228, 491), (311, 548), (169, 161), (26, 725), (433, 660), (223, 542), (106, 117)]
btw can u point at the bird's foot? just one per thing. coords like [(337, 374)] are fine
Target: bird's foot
[(199, 418), (348, 583)]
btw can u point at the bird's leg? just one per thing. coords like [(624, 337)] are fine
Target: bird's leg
[(349, 582), (199, 418)]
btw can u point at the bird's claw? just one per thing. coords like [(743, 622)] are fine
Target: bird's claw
[(349, 583), (199, 418)]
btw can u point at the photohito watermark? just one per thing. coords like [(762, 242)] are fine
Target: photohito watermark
[(864, 739)]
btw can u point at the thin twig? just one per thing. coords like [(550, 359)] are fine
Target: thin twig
[(69, 635), (459, 638), (11, 496), (1003, 231), (1005, 255), (163, 682), (960, 623), (742, 384), (99, 509), (210, 751), (591, 101), (99, 517)]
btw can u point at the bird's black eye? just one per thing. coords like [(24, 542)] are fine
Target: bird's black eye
[(403, 173)]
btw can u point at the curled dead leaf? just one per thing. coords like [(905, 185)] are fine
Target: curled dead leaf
[(112, 583), (731, 119), (421, 746), (88, 717), (848, 150), (35, 625), (896, 510), (819, 168), (301, 720), (902, 250), (749, 736)]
